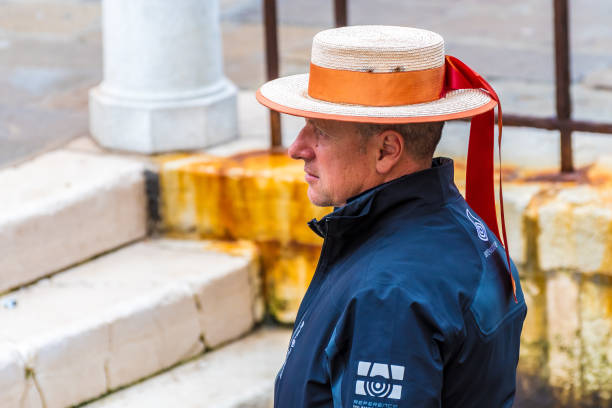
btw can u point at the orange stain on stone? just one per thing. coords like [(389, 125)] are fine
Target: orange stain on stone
[(258, 196)]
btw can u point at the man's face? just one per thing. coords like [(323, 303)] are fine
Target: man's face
[(337, 163)]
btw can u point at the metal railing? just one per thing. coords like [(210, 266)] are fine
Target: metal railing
[(562, 122)]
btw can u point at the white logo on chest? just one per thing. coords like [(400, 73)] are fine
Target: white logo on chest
[(380, 380)]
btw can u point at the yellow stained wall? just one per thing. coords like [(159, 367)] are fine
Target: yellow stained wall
[(258, 196), (565, 229)]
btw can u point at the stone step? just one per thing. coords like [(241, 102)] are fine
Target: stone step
[(237, 376), (258, 196), (122, 317), (64, 207)]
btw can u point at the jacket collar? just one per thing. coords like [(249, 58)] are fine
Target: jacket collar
[(429, 187)]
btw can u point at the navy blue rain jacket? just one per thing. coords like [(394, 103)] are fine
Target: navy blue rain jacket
[(410, 305)]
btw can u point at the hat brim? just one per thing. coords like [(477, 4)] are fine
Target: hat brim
[(290, 95)]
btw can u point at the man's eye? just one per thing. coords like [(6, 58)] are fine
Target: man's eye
[(319, 132)]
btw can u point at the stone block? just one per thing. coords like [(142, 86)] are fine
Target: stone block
[(564, 336), (126, 315), (223, 299), (69, 365), (220, 276), (238, 375), (517, 198), (16, 382), (574, 231), (267, 199), (288, 271), (534, 351), (593, 237), (246, 250), (147, 337), (192, 195), (596, 337), (259, 196), (64, 208), (556, 247)]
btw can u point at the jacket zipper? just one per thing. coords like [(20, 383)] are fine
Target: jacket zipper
[(313, 289), (315, 285)]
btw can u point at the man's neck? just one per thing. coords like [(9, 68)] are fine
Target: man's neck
[(406, 167)]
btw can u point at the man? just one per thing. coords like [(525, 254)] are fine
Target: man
[(413, 303)]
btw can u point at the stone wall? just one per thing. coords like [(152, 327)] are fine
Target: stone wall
[(559, 231), (259, 197)]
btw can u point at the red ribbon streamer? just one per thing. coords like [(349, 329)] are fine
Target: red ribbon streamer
[(479, 189)]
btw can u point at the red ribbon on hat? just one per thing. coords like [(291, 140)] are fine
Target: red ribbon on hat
[(479, 189)]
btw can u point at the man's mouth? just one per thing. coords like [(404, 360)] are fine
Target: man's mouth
[(310, 176)]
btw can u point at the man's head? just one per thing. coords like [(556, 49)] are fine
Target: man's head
[(383, 74), (343, 159)]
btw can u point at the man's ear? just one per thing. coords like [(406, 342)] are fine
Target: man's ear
[(390, 150)]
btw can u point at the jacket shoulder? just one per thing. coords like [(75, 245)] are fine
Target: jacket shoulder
[(432, 252), (452, 259), (492, 302)]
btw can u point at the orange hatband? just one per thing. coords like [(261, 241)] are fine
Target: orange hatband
[(375, 89)]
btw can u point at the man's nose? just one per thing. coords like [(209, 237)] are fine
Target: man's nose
[(301, 148)]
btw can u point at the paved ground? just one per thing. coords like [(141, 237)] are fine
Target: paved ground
[(50, 54)]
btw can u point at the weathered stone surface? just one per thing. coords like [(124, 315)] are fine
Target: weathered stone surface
[(247, 250), (65, 207), (566, 341), (266, 195), (145, 339), (259, 196), (191, 195), (563, 310), (534, 350), (68, 364), (16, 383), (288, 271), (517, 198), (127, 315), (239, 375), (596, 337), (225, 307), (574, 231)]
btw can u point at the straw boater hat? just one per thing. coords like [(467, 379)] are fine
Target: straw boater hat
[(388, 74)]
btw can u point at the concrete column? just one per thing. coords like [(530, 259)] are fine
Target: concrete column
[(163, 86)]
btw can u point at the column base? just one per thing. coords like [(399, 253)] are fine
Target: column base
[(167, 125)]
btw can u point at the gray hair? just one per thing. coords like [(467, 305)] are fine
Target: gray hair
[(420, 139)]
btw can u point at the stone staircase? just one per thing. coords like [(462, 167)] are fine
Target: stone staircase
[(240, 375), (65, 207), (92, 303)]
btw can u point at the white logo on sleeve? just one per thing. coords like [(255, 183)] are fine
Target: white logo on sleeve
[(379, 380), (480, 228)]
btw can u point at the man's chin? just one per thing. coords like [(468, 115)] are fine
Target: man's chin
[(317, 199)]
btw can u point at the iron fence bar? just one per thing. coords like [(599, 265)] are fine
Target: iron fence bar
[(555, 123), (271, 37), (562, 79), (340, 13)]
